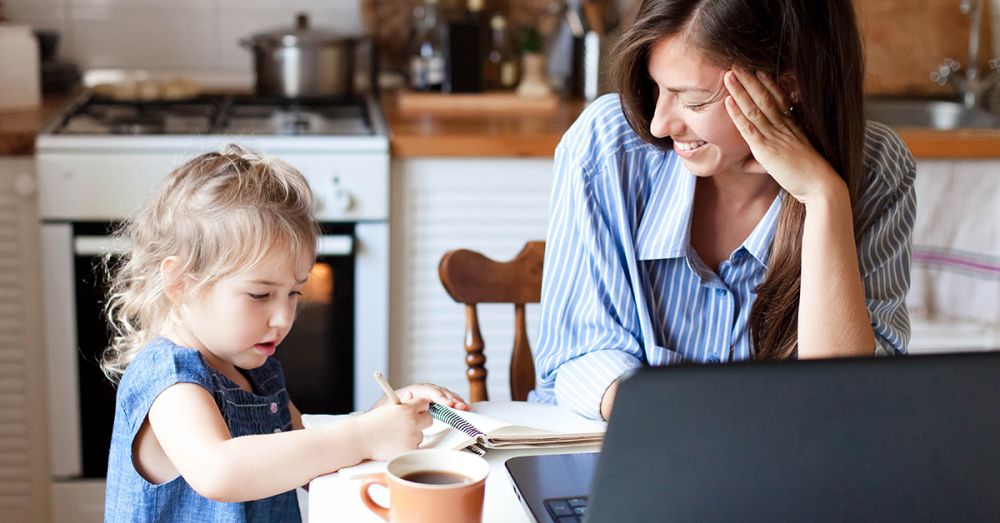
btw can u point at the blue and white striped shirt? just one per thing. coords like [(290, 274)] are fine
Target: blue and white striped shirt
[(622, 286)]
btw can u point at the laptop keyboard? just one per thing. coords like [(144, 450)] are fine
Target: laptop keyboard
[(567, 510)]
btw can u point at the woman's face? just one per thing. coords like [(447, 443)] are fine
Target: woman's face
[(690, 109)]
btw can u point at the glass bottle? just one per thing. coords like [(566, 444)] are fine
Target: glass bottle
[(426, 55), (501, 61)]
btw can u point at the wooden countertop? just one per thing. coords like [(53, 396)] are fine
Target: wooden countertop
[(439, 133), (958, 144), (467, 133), (492, 133), (18, 127)]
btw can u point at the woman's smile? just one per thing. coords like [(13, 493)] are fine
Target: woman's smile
[(689, 149)]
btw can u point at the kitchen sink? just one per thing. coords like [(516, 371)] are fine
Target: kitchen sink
[(929, 114)]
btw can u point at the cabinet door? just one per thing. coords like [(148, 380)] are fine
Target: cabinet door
[(24, 485), (490, 205)]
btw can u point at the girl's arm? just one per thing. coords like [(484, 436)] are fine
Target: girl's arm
[(194, 436)]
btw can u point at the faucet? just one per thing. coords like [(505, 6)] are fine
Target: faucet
[(969, 86)]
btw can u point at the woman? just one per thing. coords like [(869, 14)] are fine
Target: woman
[(730, 203)]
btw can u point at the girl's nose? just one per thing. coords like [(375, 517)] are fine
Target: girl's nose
[(282, 317)]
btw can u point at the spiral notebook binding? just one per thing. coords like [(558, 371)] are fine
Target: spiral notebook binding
[(446, 415)]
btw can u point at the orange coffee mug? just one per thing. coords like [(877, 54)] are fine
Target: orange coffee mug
[(433, 486)]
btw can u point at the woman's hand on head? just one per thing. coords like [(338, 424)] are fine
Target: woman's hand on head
[(431, 392), (765, 117), (392, 429)]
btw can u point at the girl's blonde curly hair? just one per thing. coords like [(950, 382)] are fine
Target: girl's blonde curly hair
[(218, 214)]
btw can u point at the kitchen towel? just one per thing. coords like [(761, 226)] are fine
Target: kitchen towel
[(956, 243)]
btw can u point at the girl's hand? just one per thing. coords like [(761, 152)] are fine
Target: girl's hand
[(430, 392), (765, 117), (390, 430)]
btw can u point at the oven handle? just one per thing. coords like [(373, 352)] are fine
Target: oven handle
[(326, 245), (335, 245)]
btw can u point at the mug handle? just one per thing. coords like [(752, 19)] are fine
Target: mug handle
[(366, 498)]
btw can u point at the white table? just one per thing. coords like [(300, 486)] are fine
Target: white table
[(335, 497)]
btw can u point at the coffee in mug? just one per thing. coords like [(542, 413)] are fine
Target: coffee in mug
[(437, 477), (432, 485)]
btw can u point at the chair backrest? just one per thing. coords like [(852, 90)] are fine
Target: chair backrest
[(471, 278)]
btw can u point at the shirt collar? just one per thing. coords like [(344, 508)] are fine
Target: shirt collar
[(665, 225)]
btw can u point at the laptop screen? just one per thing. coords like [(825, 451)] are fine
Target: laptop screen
[(908, 438)]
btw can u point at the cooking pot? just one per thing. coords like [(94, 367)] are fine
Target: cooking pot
[(302, 62)]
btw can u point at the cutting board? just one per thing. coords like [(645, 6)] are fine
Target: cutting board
[(905, 40)]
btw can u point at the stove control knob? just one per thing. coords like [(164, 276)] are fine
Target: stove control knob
[(340, 200)]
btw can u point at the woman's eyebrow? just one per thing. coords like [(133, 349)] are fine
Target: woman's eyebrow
[(688, 89)]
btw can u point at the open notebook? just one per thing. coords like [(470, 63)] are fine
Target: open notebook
[(499, 425)]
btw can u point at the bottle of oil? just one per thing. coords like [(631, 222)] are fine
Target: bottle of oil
[(426, 51), (465, 39), (500, 70)]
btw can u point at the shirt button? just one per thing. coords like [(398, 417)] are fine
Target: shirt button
[(720, 292), (274, 408), (277, 431), (713, 359)]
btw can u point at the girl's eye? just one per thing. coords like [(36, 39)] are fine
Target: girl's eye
[(696, 107), (295, 293), (260, 296)]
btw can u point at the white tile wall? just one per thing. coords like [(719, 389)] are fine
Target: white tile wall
[(995, 11), (187, 35), (195, 34)]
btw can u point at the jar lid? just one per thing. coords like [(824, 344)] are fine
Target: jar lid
[(299, 35)]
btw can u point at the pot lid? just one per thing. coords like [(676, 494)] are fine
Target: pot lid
[(299, 35)]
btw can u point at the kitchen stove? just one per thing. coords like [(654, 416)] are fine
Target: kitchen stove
[(99, 159), (225, 115)]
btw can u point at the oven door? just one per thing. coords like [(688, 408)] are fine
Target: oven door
[(318, 355)]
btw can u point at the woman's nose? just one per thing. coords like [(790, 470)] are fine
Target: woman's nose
[(664, 123)]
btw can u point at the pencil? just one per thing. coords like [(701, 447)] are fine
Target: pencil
[(389, 393)]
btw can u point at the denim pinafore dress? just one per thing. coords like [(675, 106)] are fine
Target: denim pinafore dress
[(129, 497)]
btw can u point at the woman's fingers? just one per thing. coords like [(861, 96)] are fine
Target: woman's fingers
[(772, 87), (754, 99), (746, 127)]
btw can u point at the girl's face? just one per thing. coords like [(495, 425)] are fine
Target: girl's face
[(690, 109), (240, 319)]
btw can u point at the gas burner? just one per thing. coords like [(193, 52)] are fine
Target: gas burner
[(140, 124), (312, 117)]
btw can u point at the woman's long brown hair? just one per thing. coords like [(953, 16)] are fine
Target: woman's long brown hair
[(815, 40)]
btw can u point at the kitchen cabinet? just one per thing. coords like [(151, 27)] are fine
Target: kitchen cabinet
[(24, 482), (490, 204)]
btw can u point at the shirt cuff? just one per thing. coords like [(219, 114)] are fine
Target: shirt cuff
[(883, 348), (582, 381)]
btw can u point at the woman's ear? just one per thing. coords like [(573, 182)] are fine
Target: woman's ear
[(174, 288), (789, 85)]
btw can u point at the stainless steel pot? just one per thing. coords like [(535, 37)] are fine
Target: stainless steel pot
[(302, 62)]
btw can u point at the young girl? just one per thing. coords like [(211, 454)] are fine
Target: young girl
[(730, 203), (204, 429)]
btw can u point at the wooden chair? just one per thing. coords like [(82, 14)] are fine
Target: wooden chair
[(471, 278)]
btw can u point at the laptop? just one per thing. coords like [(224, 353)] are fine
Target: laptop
[(913, 438)]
